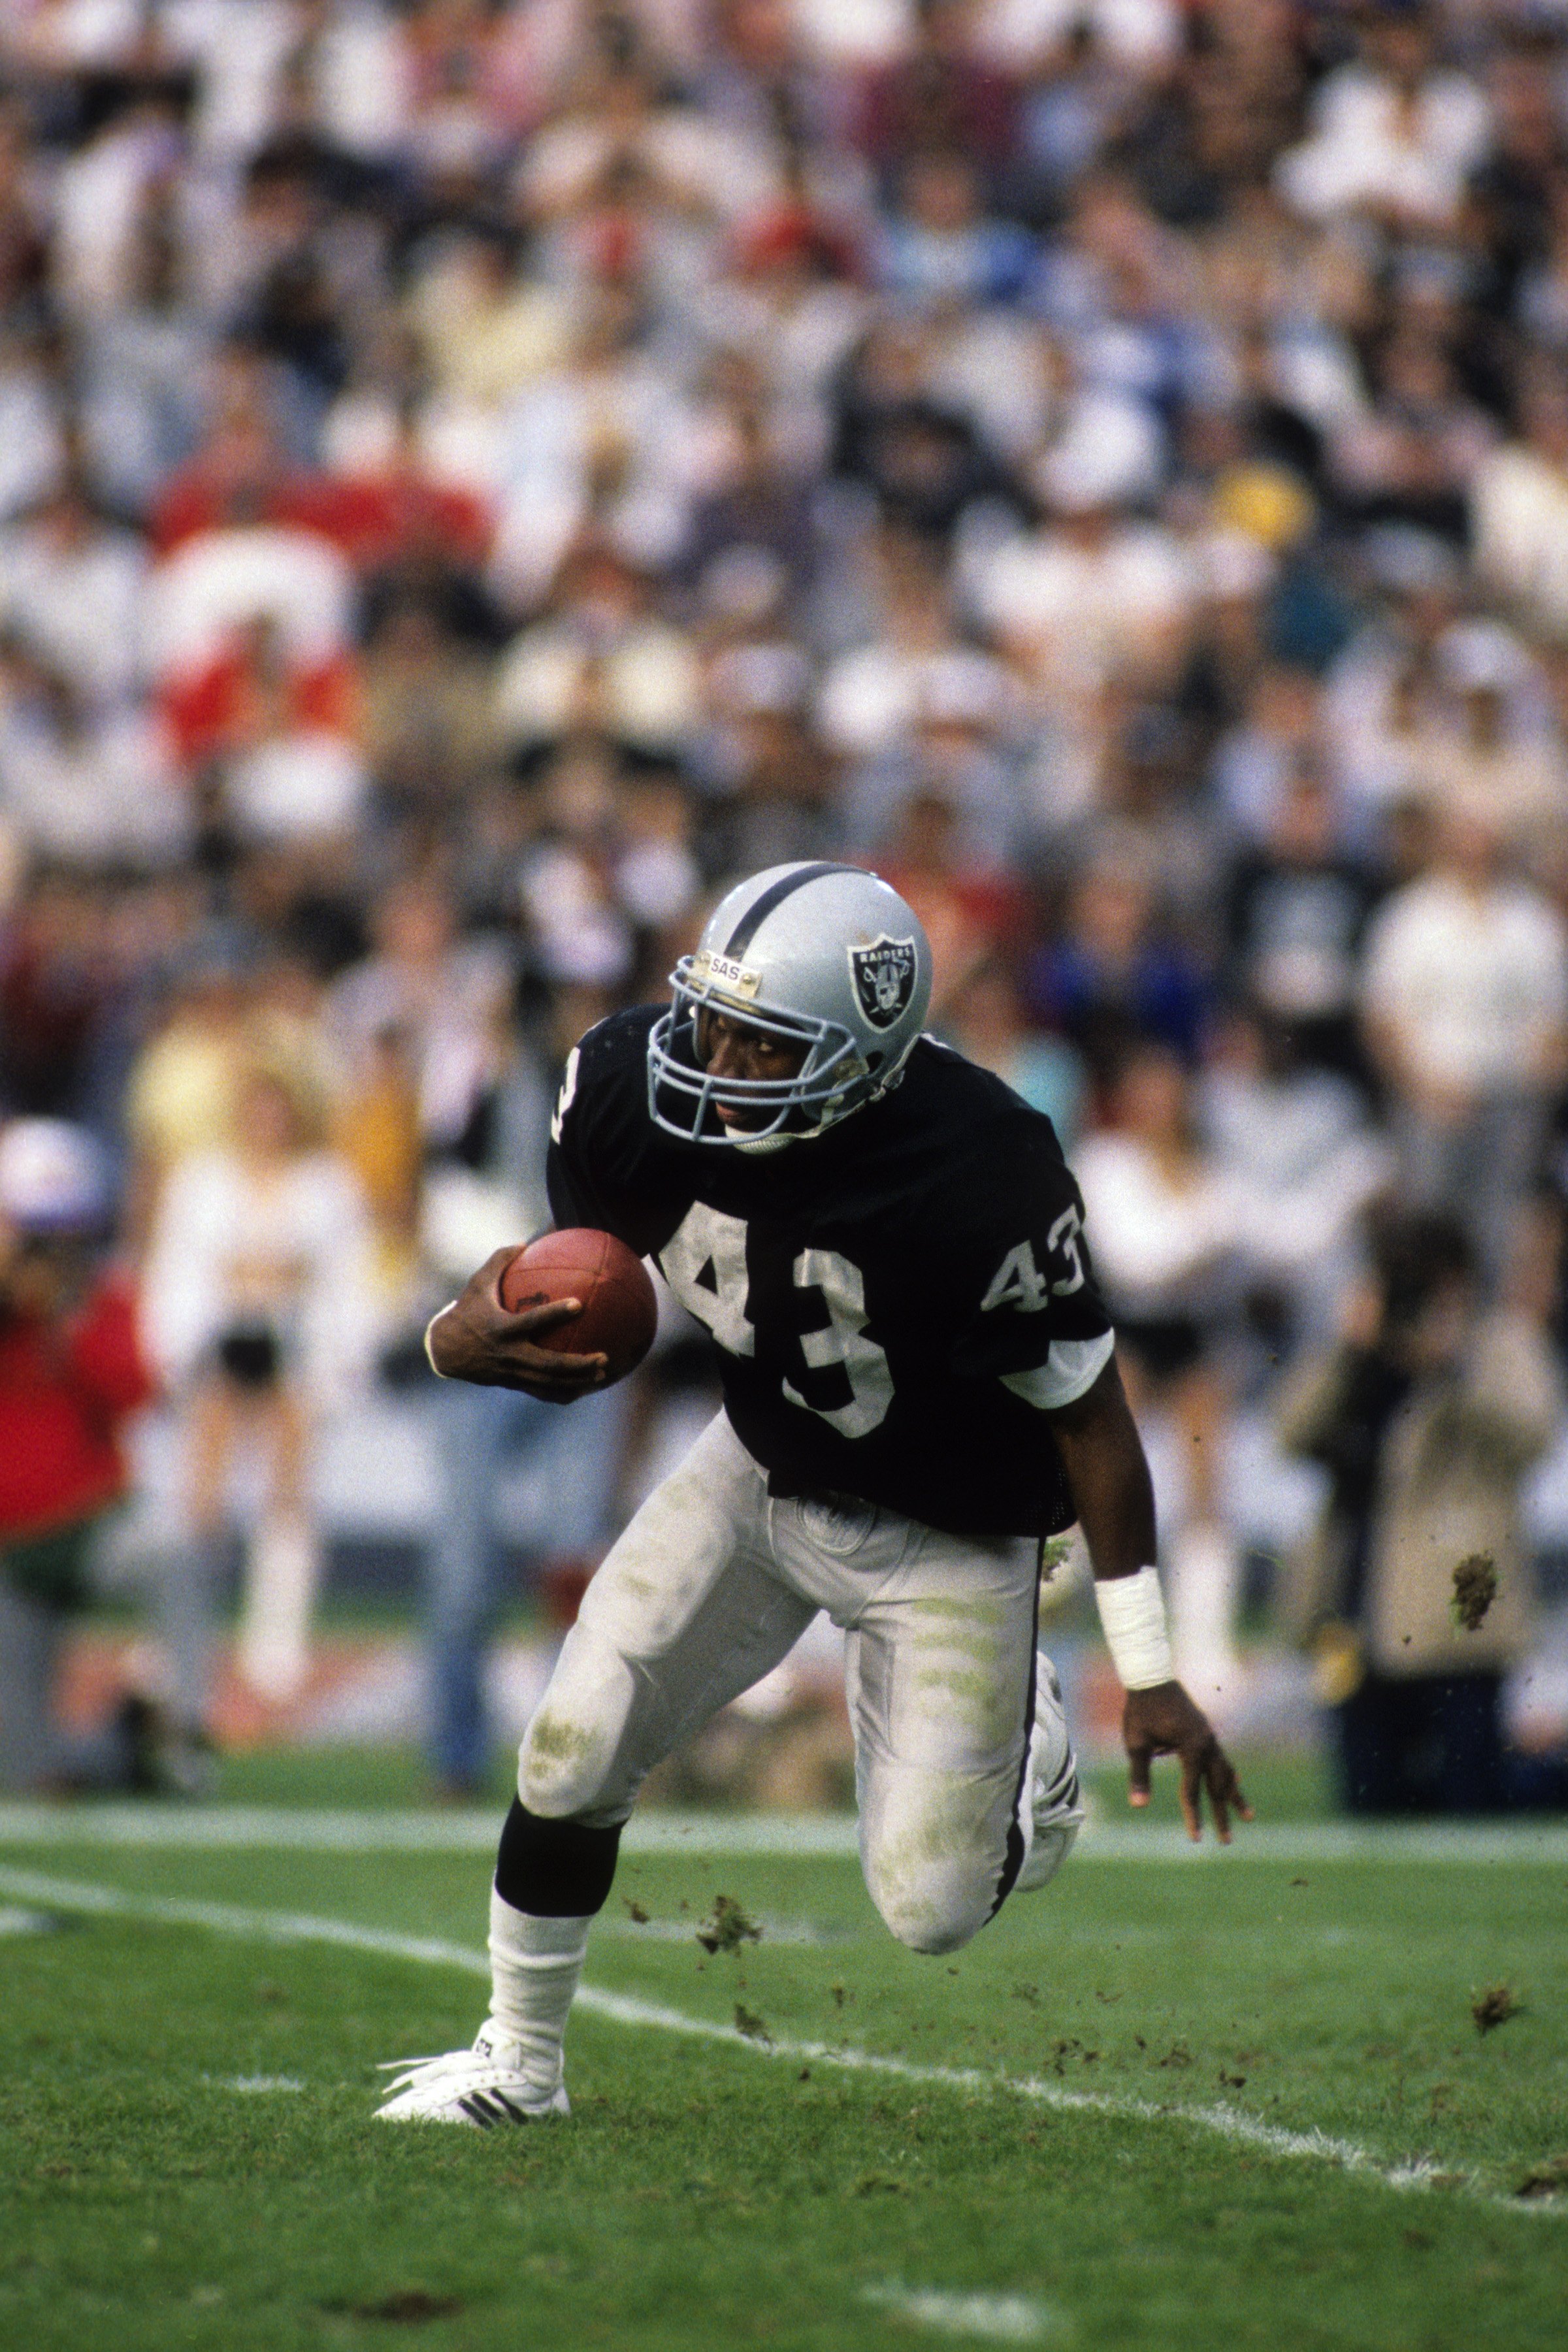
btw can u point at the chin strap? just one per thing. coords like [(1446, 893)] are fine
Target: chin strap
[(757, 1145)]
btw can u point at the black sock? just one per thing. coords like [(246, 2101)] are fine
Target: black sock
[(554, 1870)]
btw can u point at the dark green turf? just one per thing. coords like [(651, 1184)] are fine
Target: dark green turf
[(704, 2194)]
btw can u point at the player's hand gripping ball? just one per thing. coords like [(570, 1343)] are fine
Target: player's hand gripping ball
[(620, 1312)]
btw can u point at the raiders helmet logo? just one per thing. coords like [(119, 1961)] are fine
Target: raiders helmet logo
[(884, 979)]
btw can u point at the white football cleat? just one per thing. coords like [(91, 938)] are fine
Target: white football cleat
[(481, 2088), (1055, 1801)]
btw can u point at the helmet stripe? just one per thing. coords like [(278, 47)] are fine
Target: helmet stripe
[(759, 911)]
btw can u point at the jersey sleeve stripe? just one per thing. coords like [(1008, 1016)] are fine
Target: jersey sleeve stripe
[(1069, 1372)]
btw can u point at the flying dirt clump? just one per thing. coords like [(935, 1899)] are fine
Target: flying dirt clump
[(1475, 1590), (729, 1928), (1494, 2007), (1548, 2180)]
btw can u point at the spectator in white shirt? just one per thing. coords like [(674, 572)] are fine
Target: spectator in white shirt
[(598, 656), (83, 786), (1395, 136), (1163, 1224), (1136, 32), (1293, 1143), (1466, 1004), (72, 588), (604, 440), (443, 995), (1519, 508), (1487, 749), (260, 1311), (1095, 597), (32, 445)]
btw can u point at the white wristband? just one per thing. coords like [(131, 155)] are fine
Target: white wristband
[(430, 1356), (1132, 1611)]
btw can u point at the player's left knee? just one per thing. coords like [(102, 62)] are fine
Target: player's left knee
[(931, 1934), (930, 1918), (567, 1763), (563, 1763), (561, 1773)]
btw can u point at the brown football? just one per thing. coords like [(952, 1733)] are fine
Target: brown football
[(620, 1311)]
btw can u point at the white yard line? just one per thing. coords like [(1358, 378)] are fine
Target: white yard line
[(249, 1828), (24, 1923), (993, 2318), (1226, 2123), (253, 1828)]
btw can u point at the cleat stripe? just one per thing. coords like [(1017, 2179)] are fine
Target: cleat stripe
[(473, 2106)]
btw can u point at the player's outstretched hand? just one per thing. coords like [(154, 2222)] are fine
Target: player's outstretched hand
[(477, 1340), (1164, 1722)]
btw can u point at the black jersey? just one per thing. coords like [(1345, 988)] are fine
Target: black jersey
[(870, 1288)]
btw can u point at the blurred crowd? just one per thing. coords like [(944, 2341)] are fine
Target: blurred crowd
[(477, 475)]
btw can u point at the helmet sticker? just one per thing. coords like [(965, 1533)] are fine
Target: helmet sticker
[(884, 975), (724, 971)]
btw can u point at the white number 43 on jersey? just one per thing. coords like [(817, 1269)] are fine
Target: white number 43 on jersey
[(1018, 1282)]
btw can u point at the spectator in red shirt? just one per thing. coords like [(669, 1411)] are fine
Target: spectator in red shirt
[(250, 682), (942, 95), (972, 911), (72, 1374)]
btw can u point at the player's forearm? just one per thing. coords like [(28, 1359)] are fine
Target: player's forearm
[(1113, 1495)]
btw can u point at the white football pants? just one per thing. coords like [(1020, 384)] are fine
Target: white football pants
[(713, 1582)]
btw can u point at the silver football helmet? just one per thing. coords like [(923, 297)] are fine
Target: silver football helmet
[(823, 956)]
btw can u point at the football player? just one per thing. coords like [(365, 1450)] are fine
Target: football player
[(919, 1387)]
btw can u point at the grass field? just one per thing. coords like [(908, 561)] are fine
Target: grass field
[(1175, 2103)]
